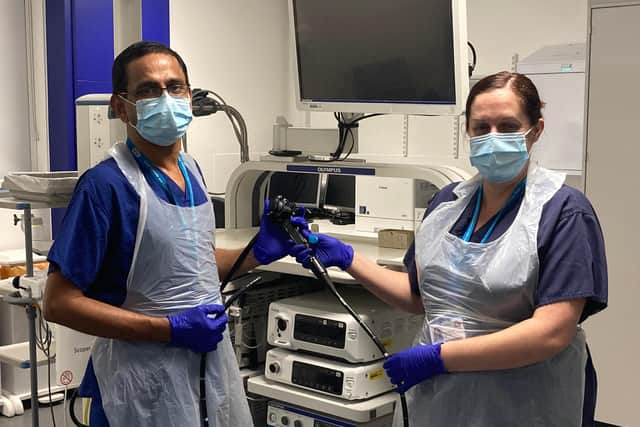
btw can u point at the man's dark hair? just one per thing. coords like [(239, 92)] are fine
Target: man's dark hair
[(119, 78)]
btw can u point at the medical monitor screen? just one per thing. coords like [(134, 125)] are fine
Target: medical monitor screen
[(301, 188), (341, 192), (375, 51)]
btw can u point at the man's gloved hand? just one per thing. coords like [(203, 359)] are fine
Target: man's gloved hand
[(329, 251), (273, 242), (198, 328), (414, 365)]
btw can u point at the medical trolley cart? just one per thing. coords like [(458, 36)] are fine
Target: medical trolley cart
[(25, 355)]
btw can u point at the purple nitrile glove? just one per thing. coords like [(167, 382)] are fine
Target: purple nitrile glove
[(329, 251), (414, 365), (199, 329), (273, 242)]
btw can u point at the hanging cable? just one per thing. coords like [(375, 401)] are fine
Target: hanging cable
[(472, 66), (43, 342), (280, 212), (345, 128), (229, 301), (64, 406), (72, 413), (203, 105)]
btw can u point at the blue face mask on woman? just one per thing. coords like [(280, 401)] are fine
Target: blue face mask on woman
[(162, 120), (499, 157)]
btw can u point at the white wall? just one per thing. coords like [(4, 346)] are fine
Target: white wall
[(500, 28), (37, 80), (14, 144), (237, 49)]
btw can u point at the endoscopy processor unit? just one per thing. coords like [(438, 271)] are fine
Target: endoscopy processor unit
[(317, 323)]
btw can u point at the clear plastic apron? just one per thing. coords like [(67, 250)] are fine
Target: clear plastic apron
[(470, 289), (145, 383)]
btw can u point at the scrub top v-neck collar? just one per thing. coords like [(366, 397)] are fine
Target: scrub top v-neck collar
[(513, 199), (160, 178)]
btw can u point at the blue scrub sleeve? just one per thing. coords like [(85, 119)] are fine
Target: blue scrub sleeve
[(573, 262), (409, 262), (83, 232)]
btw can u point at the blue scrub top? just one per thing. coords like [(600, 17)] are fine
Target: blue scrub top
[(571, 254), (94, 247)]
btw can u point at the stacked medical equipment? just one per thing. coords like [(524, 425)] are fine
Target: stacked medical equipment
[(324, 360), (301, 417), (316, 323), (326, 376), (306, 404), (248, 315)]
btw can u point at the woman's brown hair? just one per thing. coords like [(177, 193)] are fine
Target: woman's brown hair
[(520, 84)]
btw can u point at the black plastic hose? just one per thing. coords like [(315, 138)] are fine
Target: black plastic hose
[(320, 272), (72, 413)]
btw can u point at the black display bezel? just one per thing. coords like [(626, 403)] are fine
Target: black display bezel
[(317, 378), (321, 331)]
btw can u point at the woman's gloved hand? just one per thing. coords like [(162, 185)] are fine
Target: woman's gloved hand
[(199, 329), (329, 251), (273, 242), (414, 365)]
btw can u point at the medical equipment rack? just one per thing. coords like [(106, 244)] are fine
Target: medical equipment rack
[(8, 353)]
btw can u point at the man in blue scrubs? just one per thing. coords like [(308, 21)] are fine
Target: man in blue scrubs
[(135, 263)]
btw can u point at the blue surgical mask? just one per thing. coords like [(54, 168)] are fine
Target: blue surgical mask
[(499, 157), (162, 120)]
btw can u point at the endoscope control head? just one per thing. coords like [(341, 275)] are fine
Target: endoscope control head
[(281, 210)]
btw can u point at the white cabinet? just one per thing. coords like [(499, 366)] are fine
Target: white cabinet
[(560, 146), (611, 183), (558, 73)]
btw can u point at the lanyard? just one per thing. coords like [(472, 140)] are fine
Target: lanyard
[(474, 220), (159, 177)]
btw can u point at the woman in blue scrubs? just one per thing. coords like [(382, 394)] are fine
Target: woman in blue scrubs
[(506, 266)]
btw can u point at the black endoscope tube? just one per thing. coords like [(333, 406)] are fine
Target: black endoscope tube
[(203, 357), (321, 273), (239, 261), (72, 413)]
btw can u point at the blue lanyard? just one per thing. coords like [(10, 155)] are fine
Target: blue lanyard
[(159, 177), (474, 220)]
